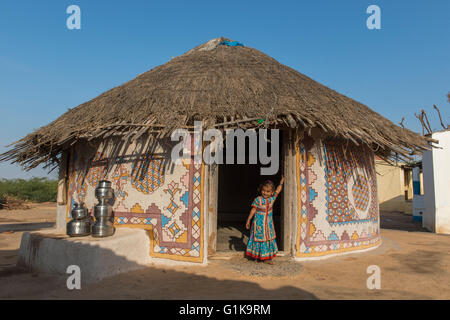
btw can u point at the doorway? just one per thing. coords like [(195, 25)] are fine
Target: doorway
[(237, 188)]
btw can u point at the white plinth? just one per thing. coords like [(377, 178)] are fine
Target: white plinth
[(52, 251)]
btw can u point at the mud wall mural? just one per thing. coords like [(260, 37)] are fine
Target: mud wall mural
[(150, 193), (337, 198)]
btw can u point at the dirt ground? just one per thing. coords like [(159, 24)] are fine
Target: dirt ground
[(14, 222), (414, 264)]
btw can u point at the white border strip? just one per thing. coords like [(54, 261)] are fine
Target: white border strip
[(337, 254)]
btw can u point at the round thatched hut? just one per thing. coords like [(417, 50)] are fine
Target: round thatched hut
[(329, 204)]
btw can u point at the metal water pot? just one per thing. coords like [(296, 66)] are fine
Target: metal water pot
[(79, 228), (81, 222), (104, 193), (103, 225), (79, 212)]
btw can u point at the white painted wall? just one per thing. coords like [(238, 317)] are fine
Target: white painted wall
[(436, 180), (61, 213), (418, 207), (418, 199)]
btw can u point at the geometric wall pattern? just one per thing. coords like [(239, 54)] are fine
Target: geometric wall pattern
[(167, 202), (336, 192), (337, 198)]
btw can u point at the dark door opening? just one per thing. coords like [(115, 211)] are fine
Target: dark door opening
[(237, 188)]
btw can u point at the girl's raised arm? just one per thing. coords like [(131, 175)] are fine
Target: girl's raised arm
[(280, 186)]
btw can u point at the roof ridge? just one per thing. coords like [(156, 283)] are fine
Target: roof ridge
[(208, 45)]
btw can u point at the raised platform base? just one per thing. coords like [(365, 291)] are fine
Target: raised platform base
[(52, 251)]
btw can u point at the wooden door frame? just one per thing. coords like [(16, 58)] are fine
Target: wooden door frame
[(287, 219), (288, 216)]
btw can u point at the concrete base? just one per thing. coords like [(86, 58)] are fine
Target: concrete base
[(52, 251)]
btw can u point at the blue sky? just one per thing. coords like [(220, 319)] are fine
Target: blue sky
[(46, 68)]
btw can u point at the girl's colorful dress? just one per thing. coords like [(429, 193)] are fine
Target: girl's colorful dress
[(262, 244)]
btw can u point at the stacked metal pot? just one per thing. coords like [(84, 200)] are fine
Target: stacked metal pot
[(82, 223), (103, 226)]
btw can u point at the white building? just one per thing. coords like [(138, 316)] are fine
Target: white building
[(436, 180)]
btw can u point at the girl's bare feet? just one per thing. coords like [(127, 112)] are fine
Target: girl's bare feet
[(269, 261)]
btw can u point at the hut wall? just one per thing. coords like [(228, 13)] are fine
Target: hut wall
[(337, 198), (151, 193), (61, 201), (391, 183)]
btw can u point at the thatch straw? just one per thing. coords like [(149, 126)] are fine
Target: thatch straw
[(225, 87)]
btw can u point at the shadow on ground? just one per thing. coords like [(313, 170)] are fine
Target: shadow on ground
[(25, 226), (149, 283), (400, 221), (8, 258), (142, 282), (232, 235), (421, 261), (154, 283)]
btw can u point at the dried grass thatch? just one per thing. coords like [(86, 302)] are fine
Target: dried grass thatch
[(224, 87)]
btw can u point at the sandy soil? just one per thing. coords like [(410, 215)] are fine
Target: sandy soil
[(14, 222), (39, 212), (414, 265)]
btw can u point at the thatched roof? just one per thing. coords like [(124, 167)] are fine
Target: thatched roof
[(223, 86)]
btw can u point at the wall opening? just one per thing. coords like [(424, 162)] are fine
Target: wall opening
[(237, 188)]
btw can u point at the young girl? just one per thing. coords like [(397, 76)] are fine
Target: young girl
[(262, 244)]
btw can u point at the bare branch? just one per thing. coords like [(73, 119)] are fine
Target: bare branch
[(401, 122), (440, 118), (428, 123), (420, 117)]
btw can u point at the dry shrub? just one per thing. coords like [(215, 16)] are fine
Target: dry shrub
[(12, 203)]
